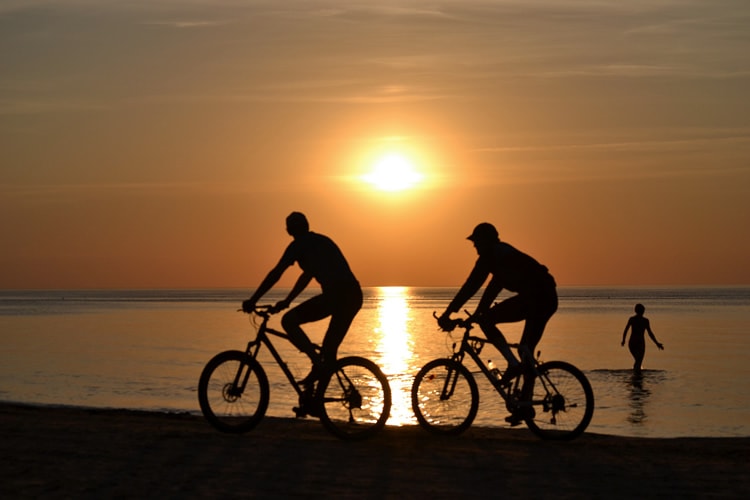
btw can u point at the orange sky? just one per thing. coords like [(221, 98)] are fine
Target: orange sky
[(162, 144)]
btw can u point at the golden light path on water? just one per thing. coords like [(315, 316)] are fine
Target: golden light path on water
[(397, 347)]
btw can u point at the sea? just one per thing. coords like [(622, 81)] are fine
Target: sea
[(145, 350)]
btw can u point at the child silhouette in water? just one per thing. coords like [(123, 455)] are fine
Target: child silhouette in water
[(637, 344)]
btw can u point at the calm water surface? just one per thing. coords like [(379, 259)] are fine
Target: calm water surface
[(146, 349)]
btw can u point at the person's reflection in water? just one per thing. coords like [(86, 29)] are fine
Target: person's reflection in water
[(638, 396)]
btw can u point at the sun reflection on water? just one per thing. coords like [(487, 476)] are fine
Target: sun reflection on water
[(397, 348)]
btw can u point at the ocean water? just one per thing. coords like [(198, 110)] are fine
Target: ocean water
[(145, 349)]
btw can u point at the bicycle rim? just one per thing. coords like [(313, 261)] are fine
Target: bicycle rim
[(355, 400), (445, 397), (563, 402), (228, 406)]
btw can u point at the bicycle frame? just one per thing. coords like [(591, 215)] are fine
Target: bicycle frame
[(473, 345), (262, 339), (352, 398)]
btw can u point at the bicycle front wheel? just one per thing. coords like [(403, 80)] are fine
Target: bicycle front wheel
[(445, 397), (355, 400), (233, 392), (563, 402)]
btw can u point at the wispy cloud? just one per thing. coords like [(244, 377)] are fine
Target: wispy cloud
[(97, 190), (734, 139), (24, 106), (184, 24)]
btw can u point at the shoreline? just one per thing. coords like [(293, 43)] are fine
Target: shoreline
[(89, 452)]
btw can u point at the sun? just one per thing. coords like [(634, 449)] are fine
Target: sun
[(393, 172)]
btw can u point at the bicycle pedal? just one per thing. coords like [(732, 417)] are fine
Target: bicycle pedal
[(299, 412)]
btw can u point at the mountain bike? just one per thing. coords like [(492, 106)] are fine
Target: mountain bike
[(353, 401), (558, 404)]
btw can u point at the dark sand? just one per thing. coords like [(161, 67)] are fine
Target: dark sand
[(90, 453)]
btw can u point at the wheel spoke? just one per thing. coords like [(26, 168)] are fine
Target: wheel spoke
[(233, 392), (356, 400), (445, 397)]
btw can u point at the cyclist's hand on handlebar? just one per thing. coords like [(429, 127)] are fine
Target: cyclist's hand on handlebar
[(445, 322), (248, 306)]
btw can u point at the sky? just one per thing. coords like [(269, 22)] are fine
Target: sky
[(162, 143)]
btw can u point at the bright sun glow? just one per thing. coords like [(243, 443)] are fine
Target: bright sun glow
[(393, 173)]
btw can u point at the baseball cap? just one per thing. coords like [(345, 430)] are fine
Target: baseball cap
[(483, 232)]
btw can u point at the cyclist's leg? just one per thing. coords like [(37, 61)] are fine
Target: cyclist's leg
[(313, 309), (344, 306), (510, 310), (540, 309)]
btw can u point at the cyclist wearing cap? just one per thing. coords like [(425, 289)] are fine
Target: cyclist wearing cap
[(341, 298), (535, 300)]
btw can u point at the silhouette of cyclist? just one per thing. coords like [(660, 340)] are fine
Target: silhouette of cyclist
[(535, 300), (341, 298)]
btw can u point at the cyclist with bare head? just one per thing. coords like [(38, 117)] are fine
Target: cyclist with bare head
[(535, 299), (341, 296)]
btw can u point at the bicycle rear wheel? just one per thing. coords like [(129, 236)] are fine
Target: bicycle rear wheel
[(355, 400), (445, 397), (563, 402), (233, 392)]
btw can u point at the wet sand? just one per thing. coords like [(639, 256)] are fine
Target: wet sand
[(92, 453)]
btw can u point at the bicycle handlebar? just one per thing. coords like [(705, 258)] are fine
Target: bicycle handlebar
[(460, 322), (263, 311)]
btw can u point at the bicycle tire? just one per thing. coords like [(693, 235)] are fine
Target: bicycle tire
[(355, 400), (225, 409), (448, 414), (567, 402)]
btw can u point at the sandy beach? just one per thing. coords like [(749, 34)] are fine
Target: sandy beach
[(92, 453)]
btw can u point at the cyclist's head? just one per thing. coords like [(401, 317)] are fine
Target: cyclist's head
[(296, 224), (484, 233), (640, 309)]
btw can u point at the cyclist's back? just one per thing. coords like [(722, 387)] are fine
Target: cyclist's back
[(319, 256)]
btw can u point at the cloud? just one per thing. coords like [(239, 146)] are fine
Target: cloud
[(689, 140), (26, 106), (30, 193), (182, 24)]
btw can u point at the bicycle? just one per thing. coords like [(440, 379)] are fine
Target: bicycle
[(445, 398), (353, 401)]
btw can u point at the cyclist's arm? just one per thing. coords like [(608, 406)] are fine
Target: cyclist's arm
[(490, 293), (300, 285), (470, 287), (268, 282), (274, 275)]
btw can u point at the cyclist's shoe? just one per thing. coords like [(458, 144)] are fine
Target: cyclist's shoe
[(512, 419), (303, 410), (307, 404), (313, 411), (521, 414)]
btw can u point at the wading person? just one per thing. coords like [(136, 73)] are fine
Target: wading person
[(639, 325)]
